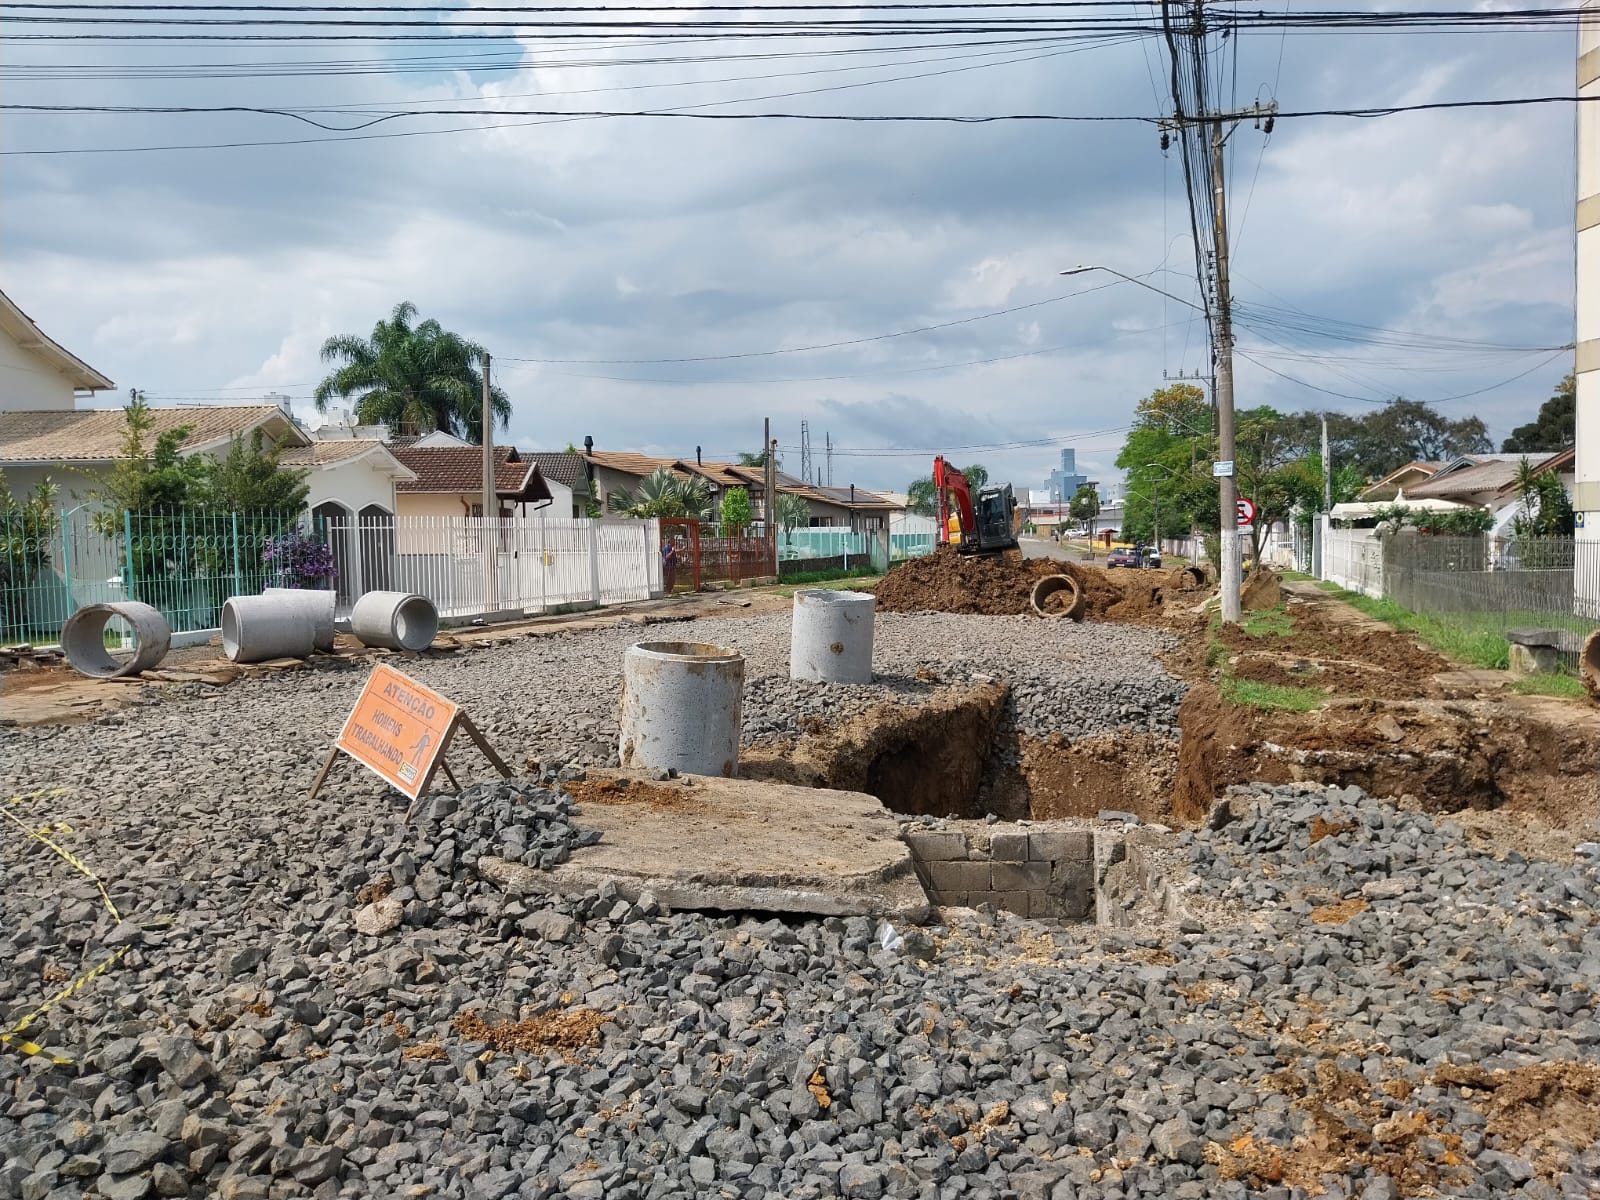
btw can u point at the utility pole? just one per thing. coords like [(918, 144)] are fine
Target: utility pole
[(828, 438), (491, 526), (1327, 470), (1204, 136), (770, 486), (1228, 498)]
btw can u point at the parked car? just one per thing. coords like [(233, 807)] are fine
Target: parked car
[(1152, 557), (1122, 556)]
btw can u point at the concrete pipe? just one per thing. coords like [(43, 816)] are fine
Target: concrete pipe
[(260, 628), (1589, 665), (395, 620), (682, 706), (830, 637), (1057, 596), (83, 639), (1192, 578), (319, 603)]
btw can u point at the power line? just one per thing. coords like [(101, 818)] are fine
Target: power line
[(879, 337), (556, 116)]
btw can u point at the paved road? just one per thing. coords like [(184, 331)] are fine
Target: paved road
[(1044, 548)]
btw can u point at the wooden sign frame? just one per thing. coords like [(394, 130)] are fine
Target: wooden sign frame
[(396, 716)]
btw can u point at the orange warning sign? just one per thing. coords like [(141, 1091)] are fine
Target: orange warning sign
[(398, 729)]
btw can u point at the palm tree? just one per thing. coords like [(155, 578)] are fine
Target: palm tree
[(663, 494), (413, 379)]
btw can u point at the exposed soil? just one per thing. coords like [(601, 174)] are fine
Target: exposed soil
[(669, 797), (927, 758), (1543, 1112), (1442, 756), (563, 1031), (1000, 585), (1353, 1126), (1127, 772)]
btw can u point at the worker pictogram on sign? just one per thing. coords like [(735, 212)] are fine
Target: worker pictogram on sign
[(1247, 511), (400, 730)]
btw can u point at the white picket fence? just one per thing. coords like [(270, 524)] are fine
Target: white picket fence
[(539, 563), (1353, 559)]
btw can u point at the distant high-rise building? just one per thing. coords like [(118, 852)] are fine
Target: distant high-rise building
[(1069, 462)]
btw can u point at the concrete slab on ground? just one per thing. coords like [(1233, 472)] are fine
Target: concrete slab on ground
[(733, 845)]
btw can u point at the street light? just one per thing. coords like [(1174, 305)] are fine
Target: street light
[(1155, 502), (1135, 280)]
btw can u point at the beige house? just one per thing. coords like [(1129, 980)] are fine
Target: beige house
[(620, 472)]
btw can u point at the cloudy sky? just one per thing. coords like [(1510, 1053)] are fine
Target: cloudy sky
[(565, 246)]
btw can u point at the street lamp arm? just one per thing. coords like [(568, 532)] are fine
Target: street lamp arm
[(1135, 280)]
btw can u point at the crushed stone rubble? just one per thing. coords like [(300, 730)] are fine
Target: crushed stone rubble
[(1388, 1013), (321, 1001)]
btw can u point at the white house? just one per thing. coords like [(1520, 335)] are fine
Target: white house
[(45, 435)]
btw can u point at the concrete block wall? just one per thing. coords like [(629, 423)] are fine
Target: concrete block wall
[(1037, 871)]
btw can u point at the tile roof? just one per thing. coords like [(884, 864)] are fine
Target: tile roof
[(96, 435), (862, 498), (561, 467), (327, 453), (1491, 475), (458, 470), (735, 475)]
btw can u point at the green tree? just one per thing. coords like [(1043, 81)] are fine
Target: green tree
[(27, 524), (1556, 426), (250, 477), (1084, 505), (413, 378), (976, 476), (758, 459), (663, 494), (1405, 431), (737, 513), (1546, 510), (792, 511), (1179, 409), (147, 477)]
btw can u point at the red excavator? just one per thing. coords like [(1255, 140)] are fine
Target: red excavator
[(985, 524)]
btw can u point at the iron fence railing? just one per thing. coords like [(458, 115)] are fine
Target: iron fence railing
[(1499, 586), (1476, 585), (185, 562)]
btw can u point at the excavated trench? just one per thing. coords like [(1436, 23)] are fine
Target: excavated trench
[(960, 755)]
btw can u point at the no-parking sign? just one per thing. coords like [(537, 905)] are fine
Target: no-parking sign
[(1247, 511)]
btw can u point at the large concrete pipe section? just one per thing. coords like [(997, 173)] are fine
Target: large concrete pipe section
[(395, 620), (261, 628), (1589, 665), (83, 639), (1057, 596), (830, 636), (682, 707), (319, 603)]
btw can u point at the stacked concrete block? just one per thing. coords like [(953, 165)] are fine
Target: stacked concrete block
[(1039, 871)]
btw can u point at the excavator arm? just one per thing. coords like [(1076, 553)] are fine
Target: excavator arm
[(950, 485)]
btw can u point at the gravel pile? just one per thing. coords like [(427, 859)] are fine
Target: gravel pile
[(251, 1044), (553, 698)]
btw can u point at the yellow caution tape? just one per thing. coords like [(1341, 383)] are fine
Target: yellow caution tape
[(13, 1037), (42, 835)]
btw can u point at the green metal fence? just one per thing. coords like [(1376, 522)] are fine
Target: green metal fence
[(185, 562)]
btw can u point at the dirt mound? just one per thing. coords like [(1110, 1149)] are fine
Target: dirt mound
[(1000, 584), (1445, 756), (945, 581), (1261, 590)]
